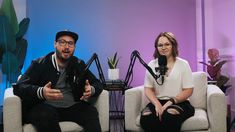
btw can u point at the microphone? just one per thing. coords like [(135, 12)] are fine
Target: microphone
[(162, 62)]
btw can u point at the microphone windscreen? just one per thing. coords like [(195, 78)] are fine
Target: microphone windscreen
[(162, 61)]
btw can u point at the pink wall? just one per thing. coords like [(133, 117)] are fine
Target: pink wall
[(220, 33), (220, 21)]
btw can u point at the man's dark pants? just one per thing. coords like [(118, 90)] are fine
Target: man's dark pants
[(46, 118)]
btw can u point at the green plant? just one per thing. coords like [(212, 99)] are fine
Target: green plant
[(113, 61), (13, 46)]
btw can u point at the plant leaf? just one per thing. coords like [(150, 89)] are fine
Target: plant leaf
[(7, 39), (222, 80), (113, 61), (203, 63), (114, 58), (9, 63), (20, 51), (116, 63), (9, 10), (110, 64), (220, 64), (12, 77), (23, 27)]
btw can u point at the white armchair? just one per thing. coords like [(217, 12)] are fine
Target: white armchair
[(208, 100), (12, 118)]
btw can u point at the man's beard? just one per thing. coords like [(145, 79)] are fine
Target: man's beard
[(60, 57)]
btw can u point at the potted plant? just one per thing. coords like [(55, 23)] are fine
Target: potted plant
[(113, 71), (13, 46), (214, 66)]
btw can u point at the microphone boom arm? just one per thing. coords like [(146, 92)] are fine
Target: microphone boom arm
[(135, 54), (97, 62)]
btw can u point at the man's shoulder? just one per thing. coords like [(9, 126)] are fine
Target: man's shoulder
[(43, 59)]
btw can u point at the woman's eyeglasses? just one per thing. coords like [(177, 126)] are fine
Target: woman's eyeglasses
[(165, 45)]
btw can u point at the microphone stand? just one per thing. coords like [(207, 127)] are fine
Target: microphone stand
[(97, 62), (135, 54)]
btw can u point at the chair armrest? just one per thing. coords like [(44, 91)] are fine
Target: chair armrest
[(102, 106), (216, 109), (12, 113), (133, 106)]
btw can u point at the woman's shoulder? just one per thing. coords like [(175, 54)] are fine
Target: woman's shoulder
[(181, 60), (153, 62), (182, 63)]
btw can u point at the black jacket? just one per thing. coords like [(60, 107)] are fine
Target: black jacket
[(41, 71)]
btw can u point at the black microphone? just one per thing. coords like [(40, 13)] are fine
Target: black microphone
[(162, 62)]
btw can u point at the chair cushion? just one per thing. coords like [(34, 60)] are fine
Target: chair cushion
[(137, 121), (197, 122), (66, 126), (198, 98)]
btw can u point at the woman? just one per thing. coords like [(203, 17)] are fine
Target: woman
[(169, 106)]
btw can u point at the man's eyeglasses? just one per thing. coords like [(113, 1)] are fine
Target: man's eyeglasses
[(63, 42), (165, 45)]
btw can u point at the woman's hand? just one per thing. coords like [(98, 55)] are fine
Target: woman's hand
[(168, 103), (159, 111)]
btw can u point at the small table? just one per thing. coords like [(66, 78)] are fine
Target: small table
[(116, 89)]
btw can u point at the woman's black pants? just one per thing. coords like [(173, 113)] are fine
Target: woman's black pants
[(170, 122)]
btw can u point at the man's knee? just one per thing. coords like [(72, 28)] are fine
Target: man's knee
[(92, 112), (43, 113)]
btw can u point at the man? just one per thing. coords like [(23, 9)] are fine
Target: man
[(55, 88)]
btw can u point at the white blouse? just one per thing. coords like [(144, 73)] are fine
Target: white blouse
[(179, 78)]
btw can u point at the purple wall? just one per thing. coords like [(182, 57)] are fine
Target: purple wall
[(108, 26), (220, 31), (220, 34)]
